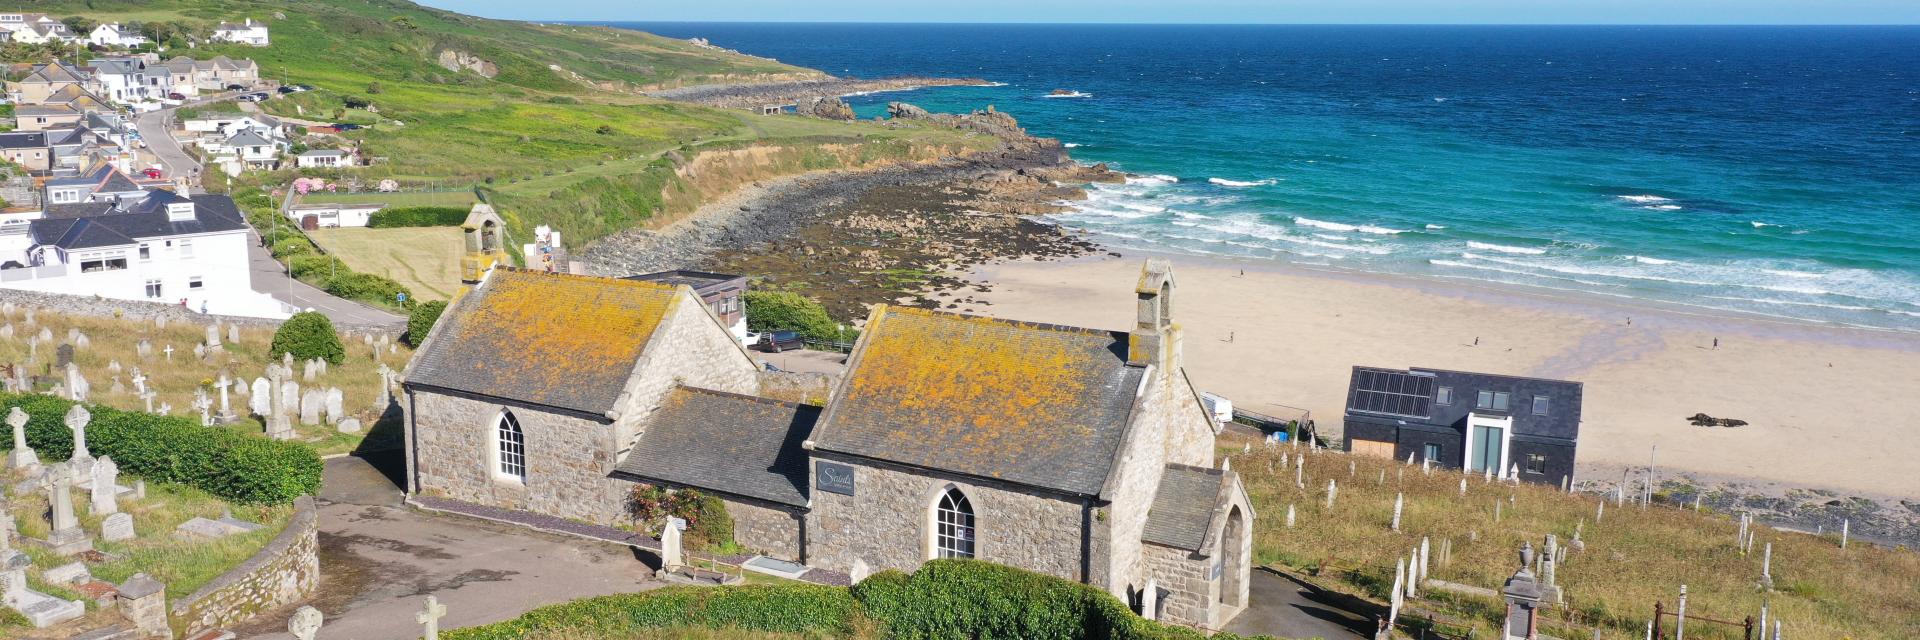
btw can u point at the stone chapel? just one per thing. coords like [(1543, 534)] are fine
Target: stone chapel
[(1080, 453)]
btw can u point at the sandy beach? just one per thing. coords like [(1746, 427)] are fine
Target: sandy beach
[(1830, 408)]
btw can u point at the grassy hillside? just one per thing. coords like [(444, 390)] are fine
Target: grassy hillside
[(560, 130)]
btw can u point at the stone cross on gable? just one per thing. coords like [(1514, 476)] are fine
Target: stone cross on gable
[(430, 615)]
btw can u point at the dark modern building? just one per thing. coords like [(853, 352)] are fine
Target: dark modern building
[(724, 293), (1476, 421)]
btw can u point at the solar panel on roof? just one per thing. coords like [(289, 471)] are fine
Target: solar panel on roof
[(1392, 392)]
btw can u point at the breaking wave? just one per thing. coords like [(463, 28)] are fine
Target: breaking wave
[(1483, 246), (1239, 183)]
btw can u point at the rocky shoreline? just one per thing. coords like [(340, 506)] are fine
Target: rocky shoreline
[(891, 235), (800, 92)]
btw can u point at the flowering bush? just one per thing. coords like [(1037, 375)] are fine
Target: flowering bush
[(707, 521)]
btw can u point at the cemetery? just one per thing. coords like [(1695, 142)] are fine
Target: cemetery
[(213, 373), (1428, 543)]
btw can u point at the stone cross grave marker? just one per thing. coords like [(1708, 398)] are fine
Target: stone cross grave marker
[(169, 352), (77, 419), (430, 616), (22, 456), (305, 623), (148, 397), (67, 537)]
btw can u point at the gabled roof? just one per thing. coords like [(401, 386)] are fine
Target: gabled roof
[(107, 178), (1183, 507), (726, 443), (106, 225), (56, 72), (247, 138), (1034, 404), (323, 153), (45, 110), (563, 341)]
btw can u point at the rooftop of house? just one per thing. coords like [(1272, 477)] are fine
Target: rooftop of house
[(110, 224), (726, 442), (56, 72), (701, 281), (563, 341), (1183, 506), (1416, 395), (23, 140), (247, 138), (1035, 404), (323, 153)]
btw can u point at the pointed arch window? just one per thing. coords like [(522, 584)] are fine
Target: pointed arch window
[(954, 537), (512, 447)]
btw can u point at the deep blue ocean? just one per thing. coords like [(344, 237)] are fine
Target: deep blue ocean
[(1765, 170)]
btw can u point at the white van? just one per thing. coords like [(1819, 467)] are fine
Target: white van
[(1220, 408)]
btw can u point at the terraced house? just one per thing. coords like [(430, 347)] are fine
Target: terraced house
[(1081, 453)]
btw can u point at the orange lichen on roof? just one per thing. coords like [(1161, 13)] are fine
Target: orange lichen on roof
[(557, 339), (982, 388)]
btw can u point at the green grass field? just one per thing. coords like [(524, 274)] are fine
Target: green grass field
[(425, 259)]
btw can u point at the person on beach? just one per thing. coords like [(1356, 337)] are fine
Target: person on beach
[(1716, 342)]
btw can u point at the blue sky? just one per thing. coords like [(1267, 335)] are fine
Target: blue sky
[(1217, 11)]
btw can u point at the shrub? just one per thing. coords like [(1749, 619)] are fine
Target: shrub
[(788, 311), (308, 335), (291, 247), (788, 608), (417, 217), (421, 321), (365, 287), (314, 266), (708, 524), (974, 599), (235, 466)]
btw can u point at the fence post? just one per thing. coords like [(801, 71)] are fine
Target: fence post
[(1747, 625), (1659, 610)]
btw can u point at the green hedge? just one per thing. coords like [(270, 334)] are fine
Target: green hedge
[(235, 466), (797, 608), (421, 321), (417, 217), (944, 600), (308, 335)]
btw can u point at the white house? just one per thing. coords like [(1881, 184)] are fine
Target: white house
[(34, 28), (247, 148), (122, 80), (103, 183), (227, 124), (328, 216), (323, 159), (115, 35), (161, 248), (247, 32)]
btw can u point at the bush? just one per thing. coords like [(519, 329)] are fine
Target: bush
[(308, 335), (787, 311), (708, 524), (421, 321), (417, 217), (974, 599), (365, 287), (314, 266), (235, 466), (291, 247), (795, 608)]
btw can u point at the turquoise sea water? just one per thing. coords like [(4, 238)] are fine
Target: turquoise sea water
[(1763, 170)]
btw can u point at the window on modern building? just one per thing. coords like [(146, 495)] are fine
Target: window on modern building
[(1501, 400), (1539, 405), (146, 252), (107, 264), (153, 288), (1484, 400), (1444, 396), (186, 248), (1431, 451), (954, 518), (1536, 463), (194, 282), (512, 446)]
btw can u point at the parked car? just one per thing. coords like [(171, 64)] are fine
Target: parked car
[(152, 173), (285, 89), (236, 87), (176, 96), (778, 341), (303, 87), (342, 126)]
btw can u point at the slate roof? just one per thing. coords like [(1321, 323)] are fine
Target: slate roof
[(726, 443), (323, 153), (555, 340), (1183, 507), (247, 138), (44, 110), (107, 225), (1563, 401), (1034, 404), (56, 72), (23, 140)]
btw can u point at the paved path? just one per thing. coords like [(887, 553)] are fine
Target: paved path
[(379, 560), (269, 275), (1283, 608)]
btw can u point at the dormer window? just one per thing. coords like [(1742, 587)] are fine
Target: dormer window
[(179, 211), (1493, 400)]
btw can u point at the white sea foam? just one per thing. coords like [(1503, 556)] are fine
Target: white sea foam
[(1187, 215), (1329, 236), (1069, 94), (1436, 227), (1345, 228), (1663, 207), (1794, 274), (1645, 199), (1652, 261), (1483, 246), (1157, 179), (1241, 183), (1762, 225), (1071, 145)]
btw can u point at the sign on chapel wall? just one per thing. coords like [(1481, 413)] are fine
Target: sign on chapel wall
[(833, 477)]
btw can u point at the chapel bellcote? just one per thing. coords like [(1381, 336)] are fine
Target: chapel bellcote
[(486, 243), (1152, 340)]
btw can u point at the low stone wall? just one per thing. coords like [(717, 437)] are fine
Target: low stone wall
[(284, 572), (146, 311)]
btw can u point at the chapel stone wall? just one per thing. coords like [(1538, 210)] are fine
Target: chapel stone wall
[(689, 348), (1142, 463), (887, 523), (1191, 597), (770, 531), (568, 459)]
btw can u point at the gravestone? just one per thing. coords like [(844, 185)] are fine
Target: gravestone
[(113, 366), (22, 457), (67, 575), (226, 414), (430, 616), (286, 360), (63, 355), (117, 527), (45, 335), (106, 493), (77, 386), (144, 349), (319, 366), (310, 405), (82, 460), (282, 406), (335, 405), (233, 333), (860, 570), (670, 556), (67, 538), (349, 425), (81, 341), (139, 380), (7, 331), (213, 337), (199, 352), (160, 322), (1522, 593), (307, 371), (260, 400), (117, 388)]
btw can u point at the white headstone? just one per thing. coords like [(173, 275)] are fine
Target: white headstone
[(105, 492), (1150, 600), (1289, 516), (1399, 499), (22, 456), (335, 405), (117, 527), (77, 419), (349, 425), (260, 400), (1332, 490), (670, 557), (860, 570), (310, 405), (77, 387)]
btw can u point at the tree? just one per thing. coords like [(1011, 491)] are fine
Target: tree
[(79, 25), (355, 102), (374, 87), (308, 335), (788, 311), (421, 321)]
